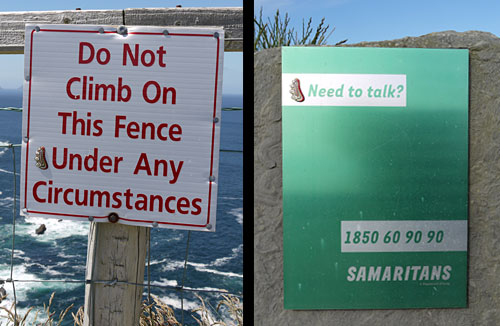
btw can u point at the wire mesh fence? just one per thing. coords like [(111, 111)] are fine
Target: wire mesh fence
[(148, 284)]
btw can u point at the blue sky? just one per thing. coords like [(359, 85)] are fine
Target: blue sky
[(365, 20), (11, 72), (355, 20)]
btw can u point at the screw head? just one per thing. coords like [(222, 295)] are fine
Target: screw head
[(165, 32), (216, 35), (209, 226), (216, 120), (155, 224), (121, 30), (113, 217), (37, 28), (91, 218), (101, 30), (212, 178)]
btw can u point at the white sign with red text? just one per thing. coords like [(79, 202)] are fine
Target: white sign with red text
[(122, 122)]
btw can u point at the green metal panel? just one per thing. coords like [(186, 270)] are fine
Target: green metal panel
[(386, 168)]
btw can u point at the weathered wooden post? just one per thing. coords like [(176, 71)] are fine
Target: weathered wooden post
[(116, 252)]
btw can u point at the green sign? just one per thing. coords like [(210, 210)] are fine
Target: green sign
[(375, 177)]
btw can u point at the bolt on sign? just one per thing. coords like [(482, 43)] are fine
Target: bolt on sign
[(122, 123), (375, 177)]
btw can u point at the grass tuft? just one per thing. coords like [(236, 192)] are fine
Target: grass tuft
[(156, 313), (276, 32)]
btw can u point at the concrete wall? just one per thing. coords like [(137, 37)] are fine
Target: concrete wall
[(484, 195)]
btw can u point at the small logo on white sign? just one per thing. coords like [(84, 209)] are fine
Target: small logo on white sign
[(296, 91)]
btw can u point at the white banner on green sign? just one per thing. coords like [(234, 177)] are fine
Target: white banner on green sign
[(344, 90)]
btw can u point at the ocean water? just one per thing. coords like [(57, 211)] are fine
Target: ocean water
[(215, 259)]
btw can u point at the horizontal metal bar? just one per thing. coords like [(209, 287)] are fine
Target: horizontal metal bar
[(11, 109), (231, 150), (10, 145)]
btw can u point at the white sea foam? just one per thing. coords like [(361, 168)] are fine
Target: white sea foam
[(177, 237), (23, 288), (56, 229), (19, 254), (200, 267), (5, 171), (50, 269), (156, 262), (65, 256), (222, 261), (3, 149), (238, 212), (7, 201), (174, 283), (175, 302), (204, 268), (79, 267), (231, 198), (205, 288), (46, 269), (165, 282), (171, 265)]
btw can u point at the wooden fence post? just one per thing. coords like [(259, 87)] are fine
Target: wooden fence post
[(115, 252)]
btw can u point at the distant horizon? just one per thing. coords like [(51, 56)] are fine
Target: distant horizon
[(13, 97)]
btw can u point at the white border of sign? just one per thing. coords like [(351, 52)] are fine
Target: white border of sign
[(206, 224)]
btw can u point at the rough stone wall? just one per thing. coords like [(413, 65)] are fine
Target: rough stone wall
[(484, 195)]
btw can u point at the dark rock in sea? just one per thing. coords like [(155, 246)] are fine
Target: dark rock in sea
[(41, 229), (3, 294)]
